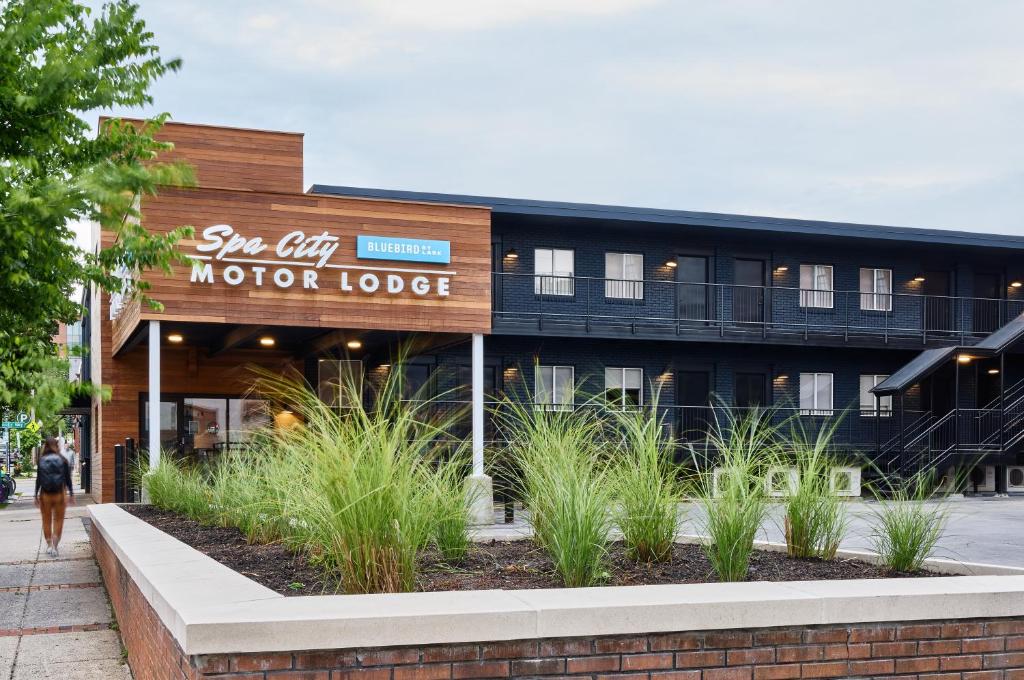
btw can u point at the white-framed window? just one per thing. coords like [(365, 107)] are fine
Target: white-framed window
[(868, 400), (624, 274), (815, 394), (876, 289), (554, 387), (624, 386), (553, 270), (816, 289)]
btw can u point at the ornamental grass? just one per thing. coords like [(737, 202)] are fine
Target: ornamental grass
[(815, 517), (733, 496), (645, 483)]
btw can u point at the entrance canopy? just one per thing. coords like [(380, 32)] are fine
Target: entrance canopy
[(923, 365), (1003, 339)]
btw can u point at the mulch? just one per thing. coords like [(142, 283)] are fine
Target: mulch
[(494, 565)]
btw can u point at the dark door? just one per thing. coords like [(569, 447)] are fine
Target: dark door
[(694, 296), (987, 302), (751, 389), (748, 294), (939, 396), (938, 307), (693, 396)]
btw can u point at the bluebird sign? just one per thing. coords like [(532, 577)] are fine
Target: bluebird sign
[(403, 249)]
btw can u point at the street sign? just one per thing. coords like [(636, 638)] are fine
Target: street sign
[(18, 422)]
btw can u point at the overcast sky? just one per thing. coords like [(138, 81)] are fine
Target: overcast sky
[(891, 112)]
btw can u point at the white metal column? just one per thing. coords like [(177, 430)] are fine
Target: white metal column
[(478, 404), (479, 487), (154, 394)]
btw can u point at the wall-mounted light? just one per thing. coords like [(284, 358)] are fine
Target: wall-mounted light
[(511, 254), (175, 338), (782, 269), (267, 341), (782, 377), (964, 358), (353, 344), (671, 264), (1016, 284), (993, 371), (919, 278)]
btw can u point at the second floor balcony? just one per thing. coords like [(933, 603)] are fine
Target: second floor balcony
[(601, 307)]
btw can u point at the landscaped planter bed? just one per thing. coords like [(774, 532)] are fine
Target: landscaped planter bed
[(184, 615), (496, 564)]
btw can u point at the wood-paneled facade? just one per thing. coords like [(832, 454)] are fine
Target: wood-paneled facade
[(252, 181)]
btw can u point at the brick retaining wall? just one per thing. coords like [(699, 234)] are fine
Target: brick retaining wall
[(974, 649)]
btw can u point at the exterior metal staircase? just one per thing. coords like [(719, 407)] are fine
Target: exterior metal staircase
[(931, 441)]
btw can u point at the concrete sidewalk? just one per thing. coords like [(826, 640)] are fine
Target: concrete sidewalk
[(55, 619)]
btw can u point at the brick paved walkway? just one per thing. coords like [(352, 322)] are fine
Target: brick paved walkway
[(55, 619)]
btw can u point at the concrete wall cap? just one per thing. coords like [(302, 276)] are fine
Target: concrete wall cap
[(212, 609)]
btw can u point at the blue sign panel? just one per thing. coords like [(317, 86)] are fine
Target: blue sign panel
[(405, 249)]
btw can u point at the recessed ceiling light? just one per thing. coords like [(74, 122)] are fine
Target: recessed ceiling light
[(919, 279), (353, 344), (267, 341), (175, 337), (1016, 284), (671, 264), (993, 371), (964, 359)]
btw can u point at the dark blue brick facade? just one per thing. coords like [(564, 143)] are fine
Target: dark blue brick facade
[(512, 352)]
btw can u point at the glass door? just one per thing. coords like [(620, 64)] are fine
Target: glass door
[(205, 430), (169, 440)]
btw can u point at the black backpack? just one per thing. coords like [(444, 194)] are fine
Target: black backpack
[(51, 472)]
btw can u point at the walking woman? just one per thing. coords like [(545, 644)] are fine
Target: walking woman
[(53, 476)]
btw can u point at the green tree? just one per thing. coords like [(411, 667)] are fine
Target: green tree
[(59, 63)]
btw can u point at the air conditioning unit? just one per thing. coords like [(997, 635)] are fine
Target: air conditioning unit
[(781, 481), (1015, 478), (982, 479), (845, 481)]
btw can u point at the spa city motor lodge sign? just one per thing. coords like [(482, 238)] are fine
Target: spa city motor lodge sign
[(302, 260)]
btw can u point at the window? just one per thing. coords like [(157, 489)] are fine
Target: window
[(340, 383), (868, 400), (624, 273), (815, 394), (816, 285), (876, 289), (553, 271), (417, 382), (553, 388), (246, 417), (624, 386)]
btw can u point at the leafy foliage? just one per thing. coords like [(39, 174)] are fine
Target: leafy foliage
[(58, 63)]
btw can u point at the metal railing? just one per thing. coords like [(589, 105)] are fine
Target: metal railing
[(664, 307)]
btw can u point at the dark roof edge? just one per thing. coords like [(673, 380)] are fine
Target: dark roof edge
[(518, 206)]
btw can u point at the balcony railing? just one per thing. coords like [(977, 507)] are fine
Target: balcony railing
[(582, 304), (853, 431)]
